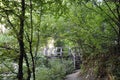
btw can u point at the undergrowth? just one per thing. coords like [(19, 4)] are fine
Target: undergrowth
[(55, 70), (104, 66)]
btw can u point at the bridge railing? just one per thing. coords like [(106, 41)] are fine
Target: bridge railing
[(74, 53)]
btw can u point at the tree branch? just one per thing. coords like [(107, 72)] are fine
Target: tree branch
[(9, 48), (110, 9), (14, 29)]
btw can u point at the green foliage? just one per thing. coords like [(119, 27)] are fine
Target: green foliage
[(8, 50), (86, 23), (56, 70), (7, 70)]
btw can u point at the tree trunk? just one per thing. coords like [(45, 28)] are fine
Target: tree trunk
[(20, 40), (30, 42)]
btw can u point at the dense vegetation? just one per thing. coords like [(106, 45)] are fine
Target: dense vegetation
[(93, 25)]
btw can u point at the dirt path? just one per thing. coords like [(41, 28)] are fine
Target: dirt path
[(77, 76), (74, 76)]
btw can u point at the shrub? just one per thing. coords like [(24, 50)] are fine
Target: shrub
[(56, 71)]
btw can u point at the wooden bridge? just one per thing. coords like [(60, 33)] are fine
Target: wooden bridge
[(74, 53)]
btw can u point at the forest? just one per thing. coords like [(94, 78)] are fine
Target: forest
[(44, 39)]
